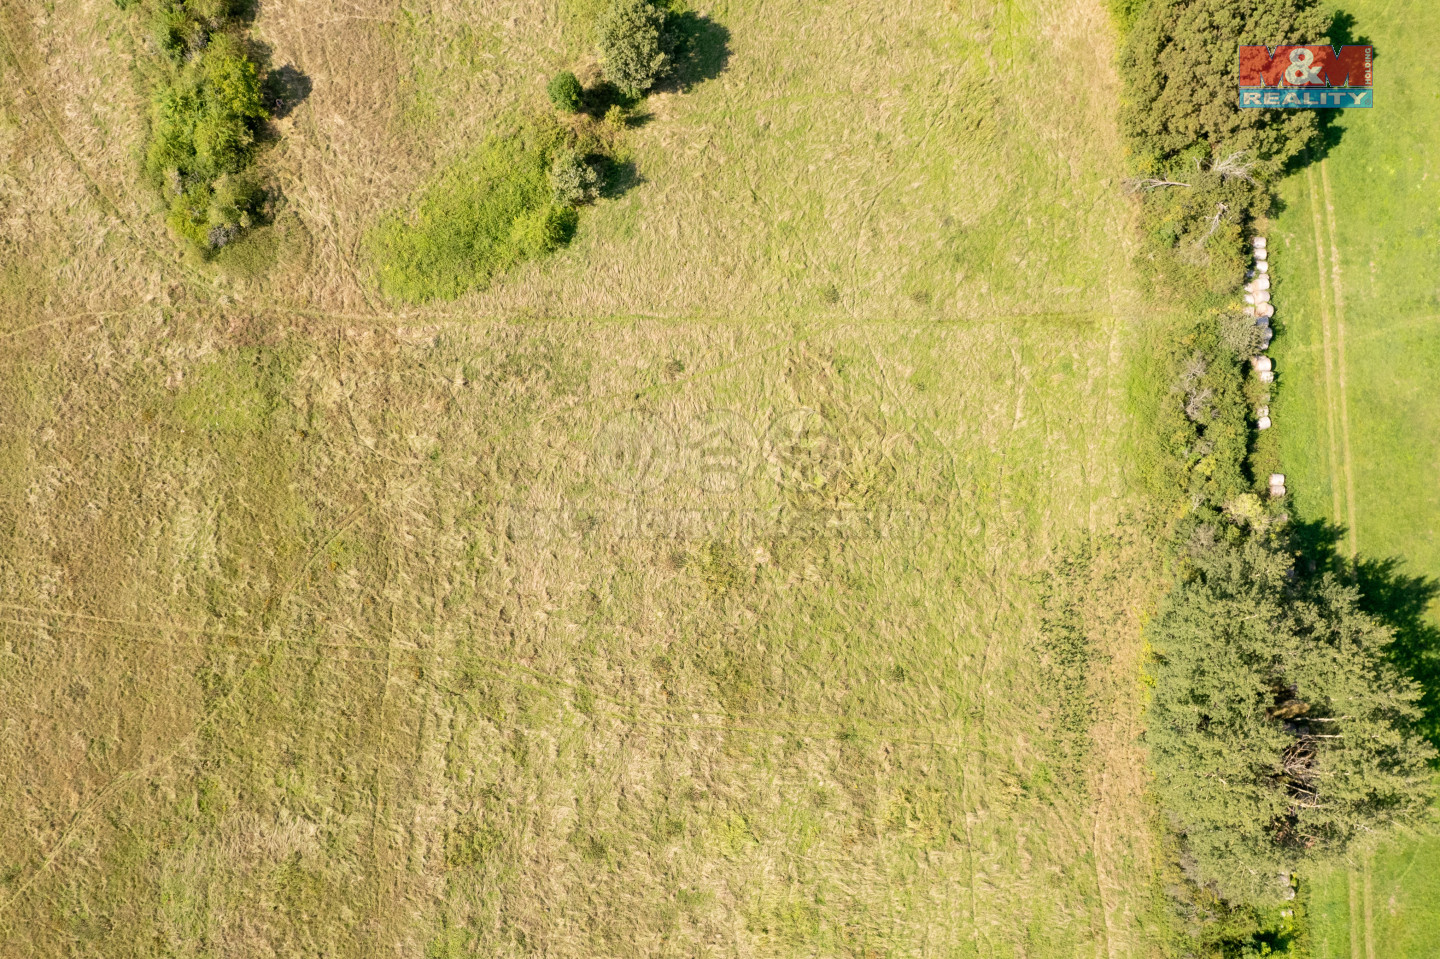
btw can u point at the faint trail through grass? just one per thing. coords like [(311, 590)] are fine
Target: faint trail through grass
[(1337, 295), (1336, 463)]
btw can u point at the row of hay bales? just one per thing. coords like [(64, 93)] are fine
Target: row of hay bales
[(1258, 305)]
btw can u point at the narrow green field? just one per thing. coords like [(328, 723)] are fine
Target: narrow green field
[(1356, 257), (1357, 411)]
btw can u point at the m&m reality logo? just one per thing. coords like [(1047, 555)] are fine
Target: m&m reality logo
[(1309, 76)]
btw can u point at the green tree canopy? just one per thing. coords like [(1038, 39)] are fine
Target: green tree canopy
[(631, 36), (1279, 730), (1180, 66)]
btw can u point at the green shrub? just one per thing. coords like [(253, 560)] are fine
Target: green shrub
[(634, 45), (202, 135), (572, 180), (543, 231), (484, 214), (565, 91)]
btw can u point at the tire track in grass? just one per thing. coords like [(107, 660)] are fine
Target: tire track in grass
[(1332, 445), (1369, 912), (1337, 297), (1354, 902)]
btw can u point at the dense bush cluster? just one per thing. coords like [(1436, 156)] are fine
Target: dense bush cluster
[(1278, 730), (516, 197), (206, 112), (1201, 165)]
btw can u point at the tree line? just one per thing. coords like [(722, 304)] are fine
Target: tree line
[(1279, 729)]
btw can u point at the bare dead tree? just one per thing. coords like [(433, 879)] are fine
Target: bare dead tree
[(1214, 221), (1137, 184), (1234, 167)]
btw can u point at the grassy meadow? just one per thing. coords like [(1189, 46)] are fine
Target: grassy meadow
[(752, 577), (1356, 254)]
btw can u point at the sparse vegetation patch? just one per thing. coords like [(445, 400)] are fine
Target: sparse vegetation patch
[(483, 214)]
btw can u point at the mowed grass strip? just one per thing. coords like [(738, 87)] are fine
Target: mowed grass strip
[(584, 640), (1385, 199)]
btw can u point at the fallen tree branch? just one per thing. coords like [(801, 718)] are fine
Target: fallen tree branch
[(1233, 167)]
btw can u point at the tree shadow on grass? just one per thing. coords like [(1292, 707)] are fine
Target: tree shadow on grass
[(1394, 597), (702, 51), (617, 177), (285, 89), (1341, 34)]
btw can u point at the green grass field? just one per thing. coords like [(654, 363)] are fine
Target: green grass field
[(1383, 904), (1356, 254), (752, 578)]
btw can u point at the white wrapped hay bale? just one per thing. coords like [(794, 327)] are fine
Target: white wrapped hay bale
[(1262, 363), (1276, 492), (1262, 267), (1258, 243), (1277, 479), (1262, 296), (1262, 282), (1263, 423), (1265, 310), (1267, 376)]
